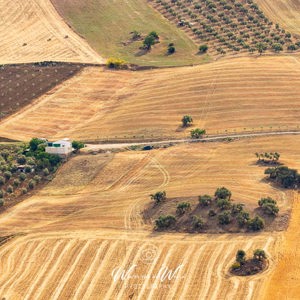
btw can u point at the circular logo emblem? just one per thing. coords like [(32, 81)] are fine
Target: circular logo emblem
[(149, 253)]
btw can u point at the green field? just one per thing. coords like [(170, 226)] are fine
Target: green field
[(107, 24)]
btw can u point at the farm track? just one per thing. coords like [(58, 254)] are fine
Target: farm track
[(33, 31), (105, 105)]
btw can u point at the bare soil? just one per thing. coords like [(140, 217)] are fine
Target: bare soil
[(250, 267), (20, 84)]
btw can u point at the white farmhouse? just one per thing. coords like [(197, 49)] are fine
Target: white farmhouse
[(63, 148)]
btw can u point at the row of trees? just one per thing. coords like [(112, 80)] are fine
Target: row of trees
[(268, 157)]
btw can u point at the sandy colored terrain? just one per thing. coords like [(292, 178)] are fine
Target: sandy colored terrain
[(33, 31), (237, 95), (87, 221), (284, 12), (285, 281)]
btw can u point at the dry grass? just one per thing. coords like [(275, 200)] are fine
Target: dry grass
[(87, 222), (33, 31), (237, 95), (284, 12)]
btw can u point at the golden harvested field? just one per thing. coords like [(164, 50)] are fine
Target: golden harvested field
[(33, 31), (87, 222), (284, 12), (236, 95), (285, 281)]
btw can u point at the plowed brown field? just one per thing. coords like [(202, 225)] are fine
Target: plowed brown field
[(284, 12), (237, 95), (87, 222), (33, 31)]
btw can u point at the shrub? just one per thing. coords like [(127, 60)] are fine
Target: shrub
[(203, 48), (7, 175), (256, 224), (10, 189), (223, 204), (46, 172), (24, 191), (243, 218), (182, 208), (115, 63), (223, 193), (186, 120), (236, 266), (1, 194), (2, 180), (165, 221), (158, 197), (225, 218), (171, 49), (211, 213), (241, 256), (31, 184), (148, 42), (16, 183), (21, 159), (34, 143), (269, 206), (259, 254), (37, 178), (197, 222), (22, 177), (197, 133), (77, 145), (237, 208), (205, 200)]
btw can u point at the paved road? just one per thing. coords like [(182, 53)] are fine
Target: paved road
[(95, 147)]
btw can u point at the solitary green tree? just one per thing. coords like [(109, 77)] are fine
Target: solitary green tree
[(241, 256), (203, 48), (158, 197), (259, 254), (186, 120)]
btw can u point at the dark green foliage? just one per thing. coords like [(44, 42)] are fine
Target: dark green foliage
[(10, 189), (237, 208), (205, 200), (197, 133), (223, 193), (197, 222), (158, 197), (7, 175), (31, 184), (203, 48), (225, 218), (186, 120), (2, 180), (269, 206), (256, 224), (243, 218), (240, 256), (284, 176), (211, 213), (259, 254), (223, 204), (77, 145), (33, 144), (164, 222), (171, 48), (182, 208)]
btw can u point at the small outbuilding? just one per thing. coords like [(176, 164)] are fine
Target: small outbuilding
[(62, 148)]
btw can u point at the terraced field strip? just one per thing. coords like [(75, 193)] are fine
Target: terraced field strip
[(33, 31), (150, 104), (61, 267)]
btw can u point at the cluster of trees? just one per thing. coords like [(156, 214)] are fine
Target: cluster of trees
[(220, 205), (228, 26), (36, 164), (284, 176), (228, 211), (259, 255), (171, 49), (268, 157), (24, 166)]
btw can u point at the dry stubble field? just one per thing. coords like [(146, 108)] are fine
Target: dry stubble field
[(33, 31), (87, 222), (97, 104)]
